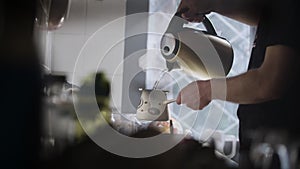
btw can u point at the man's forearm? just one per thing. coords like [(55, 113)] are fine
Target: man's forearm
[(246, 88)]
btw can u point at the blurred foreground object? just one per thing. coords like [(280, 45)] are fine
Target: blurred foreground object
[(20, 86), (188, 154), (92, 104), (95, 85), (61, 125), (272, 148), (59, 121)]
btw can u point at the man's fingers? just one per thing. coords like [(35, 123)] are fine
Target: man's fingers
[(189, 15), (189, 11)]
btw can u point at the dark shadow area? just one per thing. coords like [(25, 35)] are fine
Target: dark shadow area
[(88, 155), (20, 86)]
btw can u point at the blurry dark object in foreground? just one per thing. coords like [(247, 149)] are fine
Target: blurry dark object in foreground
[(273, 148), (59, 121), (188, 154), (62, 126), (100, 85), (20, 86)]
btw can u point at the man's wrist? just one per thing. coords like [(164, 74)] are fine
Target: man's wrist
[(218, 88)]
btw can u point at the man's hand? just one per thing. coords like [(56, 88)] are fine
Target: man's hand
[(195, 95), (194, 10)]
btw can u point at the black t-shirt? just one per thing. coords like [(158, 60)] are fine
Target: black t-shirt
[(277, 26)]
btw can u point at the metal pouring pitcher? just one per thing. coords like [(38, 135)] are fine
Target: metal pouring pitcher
[(153, 106), (195, 51)]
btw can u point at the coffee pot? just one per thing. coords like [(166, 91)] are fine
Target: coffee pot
[(202, 54)]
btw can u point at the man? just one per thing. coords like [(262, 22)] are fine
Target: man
[(268, 91)]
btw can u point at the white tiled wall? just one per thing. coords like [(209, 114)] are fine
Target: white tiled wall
[(78, 37), (101, 12), (84, 19), (65, 49)]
